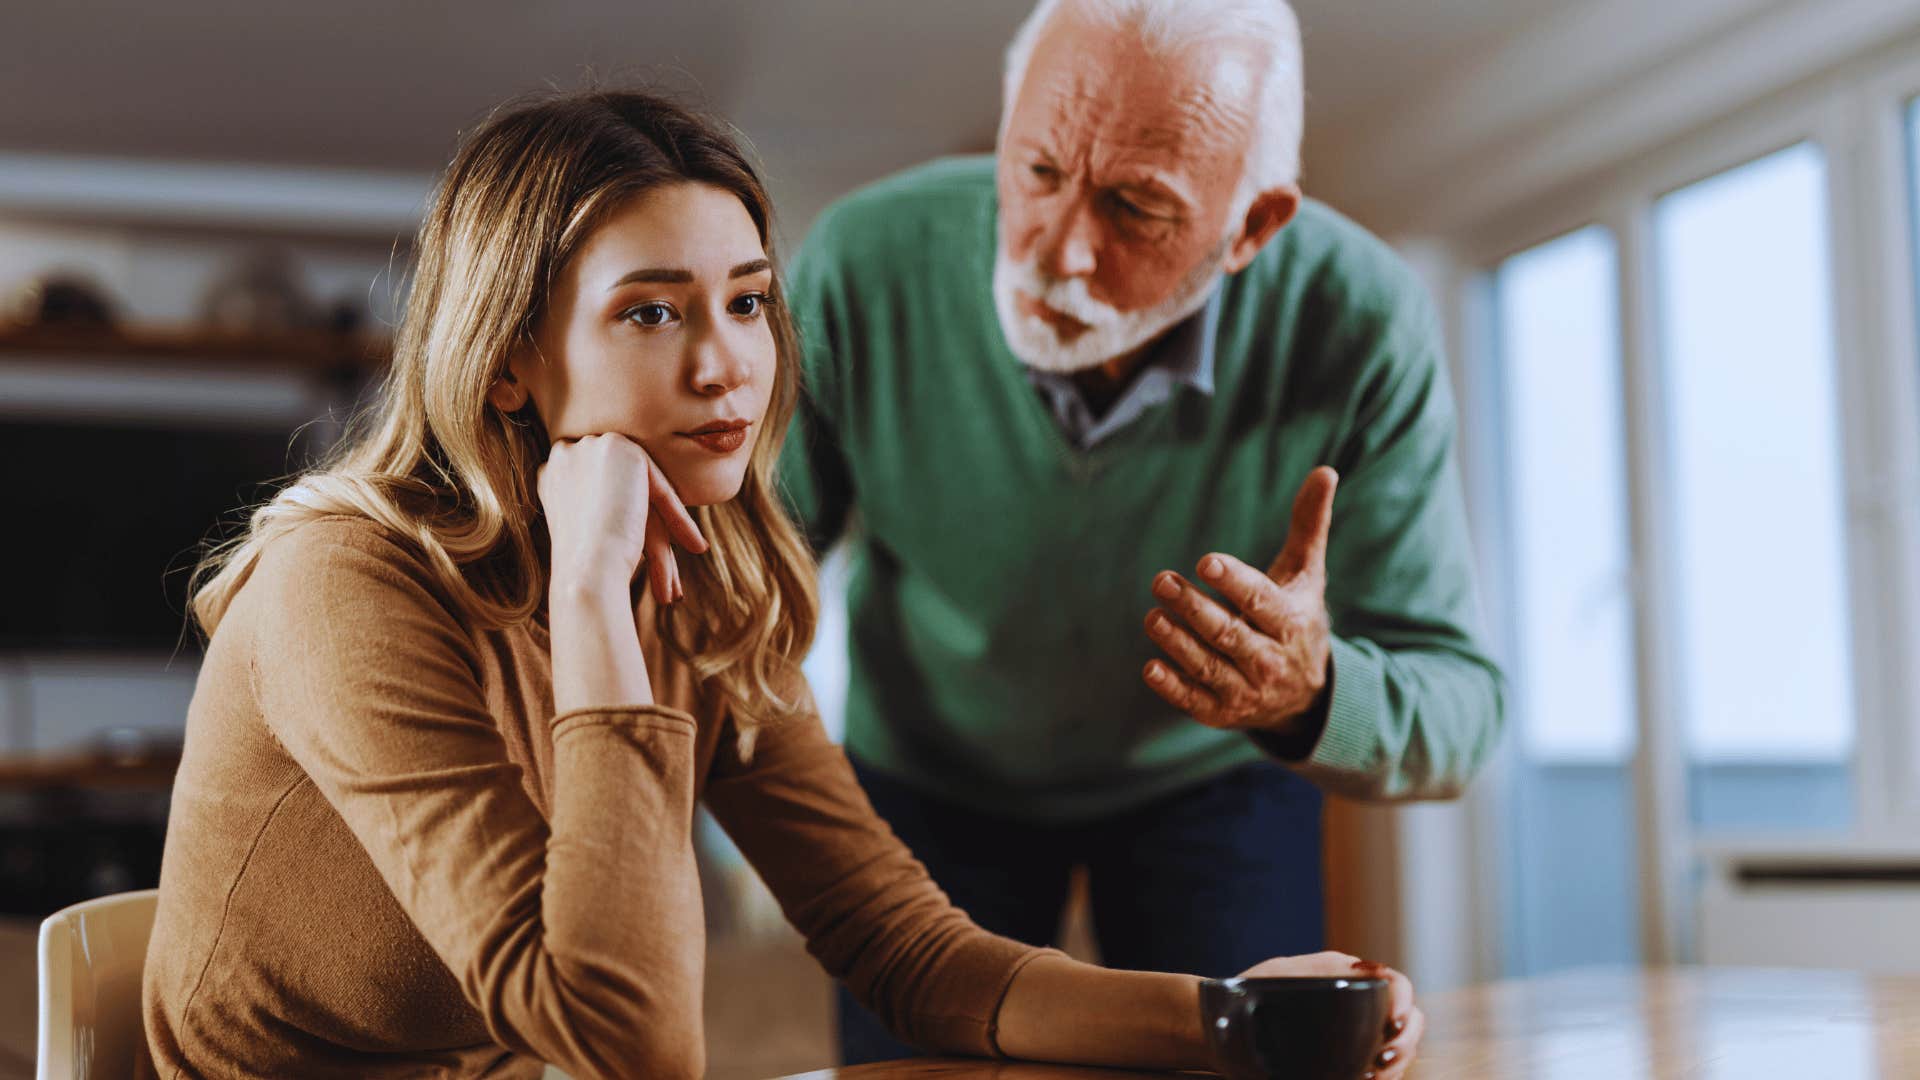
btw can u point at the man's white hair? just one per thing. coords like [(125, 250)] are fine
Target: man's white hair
[(1171, 26)]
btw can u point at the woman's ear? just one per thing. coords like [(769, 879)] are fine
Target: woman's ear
[(508, 393)]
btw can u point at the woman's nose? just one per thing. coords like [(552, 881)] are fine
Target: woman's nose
[(718, 368)]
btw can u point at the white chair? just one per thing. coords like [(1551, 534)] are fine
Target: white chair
[(91, 956)]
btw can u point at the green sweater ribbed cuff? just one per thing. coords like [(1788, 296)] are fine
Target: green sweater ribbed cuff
[(1351, 741)]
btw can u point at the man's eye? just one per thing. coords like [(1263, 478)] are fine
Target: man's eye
[(650, 314), (1044, 173), (749, 305)]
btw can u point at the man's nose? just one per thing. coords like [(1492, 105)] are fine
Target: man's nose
[(1071, 248)]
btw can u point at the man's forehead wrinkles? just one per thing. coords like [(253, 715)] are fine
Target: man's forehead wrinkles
[(1197, 130), (1082, 106), (1073, 103), (1206, 112)]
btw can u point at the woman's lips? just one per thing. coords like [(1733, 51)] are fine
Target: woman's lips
[(719, 438)]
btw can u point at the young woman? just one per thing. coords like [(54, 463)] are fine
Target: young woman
[(434, 813)]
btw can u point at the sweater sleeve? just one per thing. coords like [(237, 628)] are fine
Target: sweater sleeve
[(369, 682), (1416, 705), (869, 912)]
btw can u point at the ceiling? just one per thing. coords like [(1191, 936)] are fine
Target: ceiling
[(829, 91)]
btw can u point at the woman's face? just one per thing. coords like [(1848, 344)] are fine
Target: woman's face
[(657, 330)]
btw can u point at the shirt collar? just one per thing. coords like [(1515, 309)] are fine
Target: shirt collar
[(1184, 356), (1187, 351)]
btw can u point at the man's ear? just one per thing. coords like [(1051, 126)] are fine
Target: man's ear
[(508, 393), (1269, 213)]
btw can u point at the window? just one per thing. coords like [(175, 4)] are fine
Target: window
[(1572, 858), (1747, 366), (1560, 353), (1911, 135), (1741, 647)]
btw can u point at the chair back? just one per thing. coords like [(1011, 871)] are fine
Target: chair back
[(91, 958)]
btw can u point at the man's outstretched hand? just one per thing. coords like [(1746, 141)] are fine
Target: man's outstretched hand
[(1263, 664)]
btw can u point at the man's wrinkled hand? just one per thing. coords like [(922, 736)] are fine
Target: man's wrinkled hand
[(1260, 664)]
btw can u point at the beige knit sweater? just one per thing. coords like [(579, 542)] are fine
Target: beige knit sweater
[(388, 858)]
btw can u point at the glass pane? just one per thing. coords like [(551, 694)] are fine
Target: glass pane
[(1913, 190), (1748, 363), (1572, 862), (1560, 357)]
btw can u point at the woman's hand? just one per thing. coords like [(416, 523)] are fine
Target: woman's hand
[(608, 507), (597, 493), (1405, 1022)]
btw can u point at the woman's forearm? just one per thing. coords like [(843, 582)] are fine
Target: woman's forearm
[(626, 982), (1063, 1010), (597, 661)]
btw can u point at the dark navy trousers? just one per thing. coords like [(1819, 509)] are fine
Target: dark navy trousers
[(1206, 881)]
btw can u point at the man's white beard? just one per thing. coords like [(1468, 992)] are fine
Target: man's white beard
[(1110, 332)]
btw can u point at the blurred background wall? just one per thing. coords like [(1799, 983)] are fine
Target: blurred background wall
[(1671, 242)]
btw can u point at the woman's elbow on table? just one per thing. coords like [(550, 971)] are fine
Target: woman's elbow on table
[(592, 1021)]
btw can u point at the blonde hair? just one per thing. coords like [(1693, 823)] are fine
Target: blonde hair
[(433, 461)]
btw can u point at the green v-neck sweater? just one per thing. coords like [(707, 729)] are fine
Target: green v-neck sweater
[(1000, 575)]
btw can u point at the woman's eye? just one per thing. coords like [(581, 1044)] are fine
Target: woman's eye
[(650, 314), (749, 305)]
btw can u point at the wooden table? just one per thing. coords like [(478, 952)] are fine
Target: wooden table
[(1718, 1024)]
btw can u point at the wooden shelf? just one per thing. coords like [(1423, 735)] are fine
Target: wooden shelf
[(318, 350), (148, 771)]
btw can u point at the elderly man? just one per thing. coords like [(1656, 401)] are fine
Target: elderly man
[(1124, 345)]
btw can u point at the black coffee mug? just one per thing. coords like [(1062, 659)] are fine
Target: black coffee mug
[(1314, 1028)]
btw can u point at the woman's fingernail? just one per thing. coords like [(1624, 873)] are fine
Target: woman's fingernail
[(1386, 1058), (1211, 568), (1157, 621), (1166, 587), (1395, 1026)]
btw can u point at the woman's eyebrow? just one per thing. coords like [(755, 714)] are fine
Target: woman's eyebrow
[(654, 275), (677, 276)]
